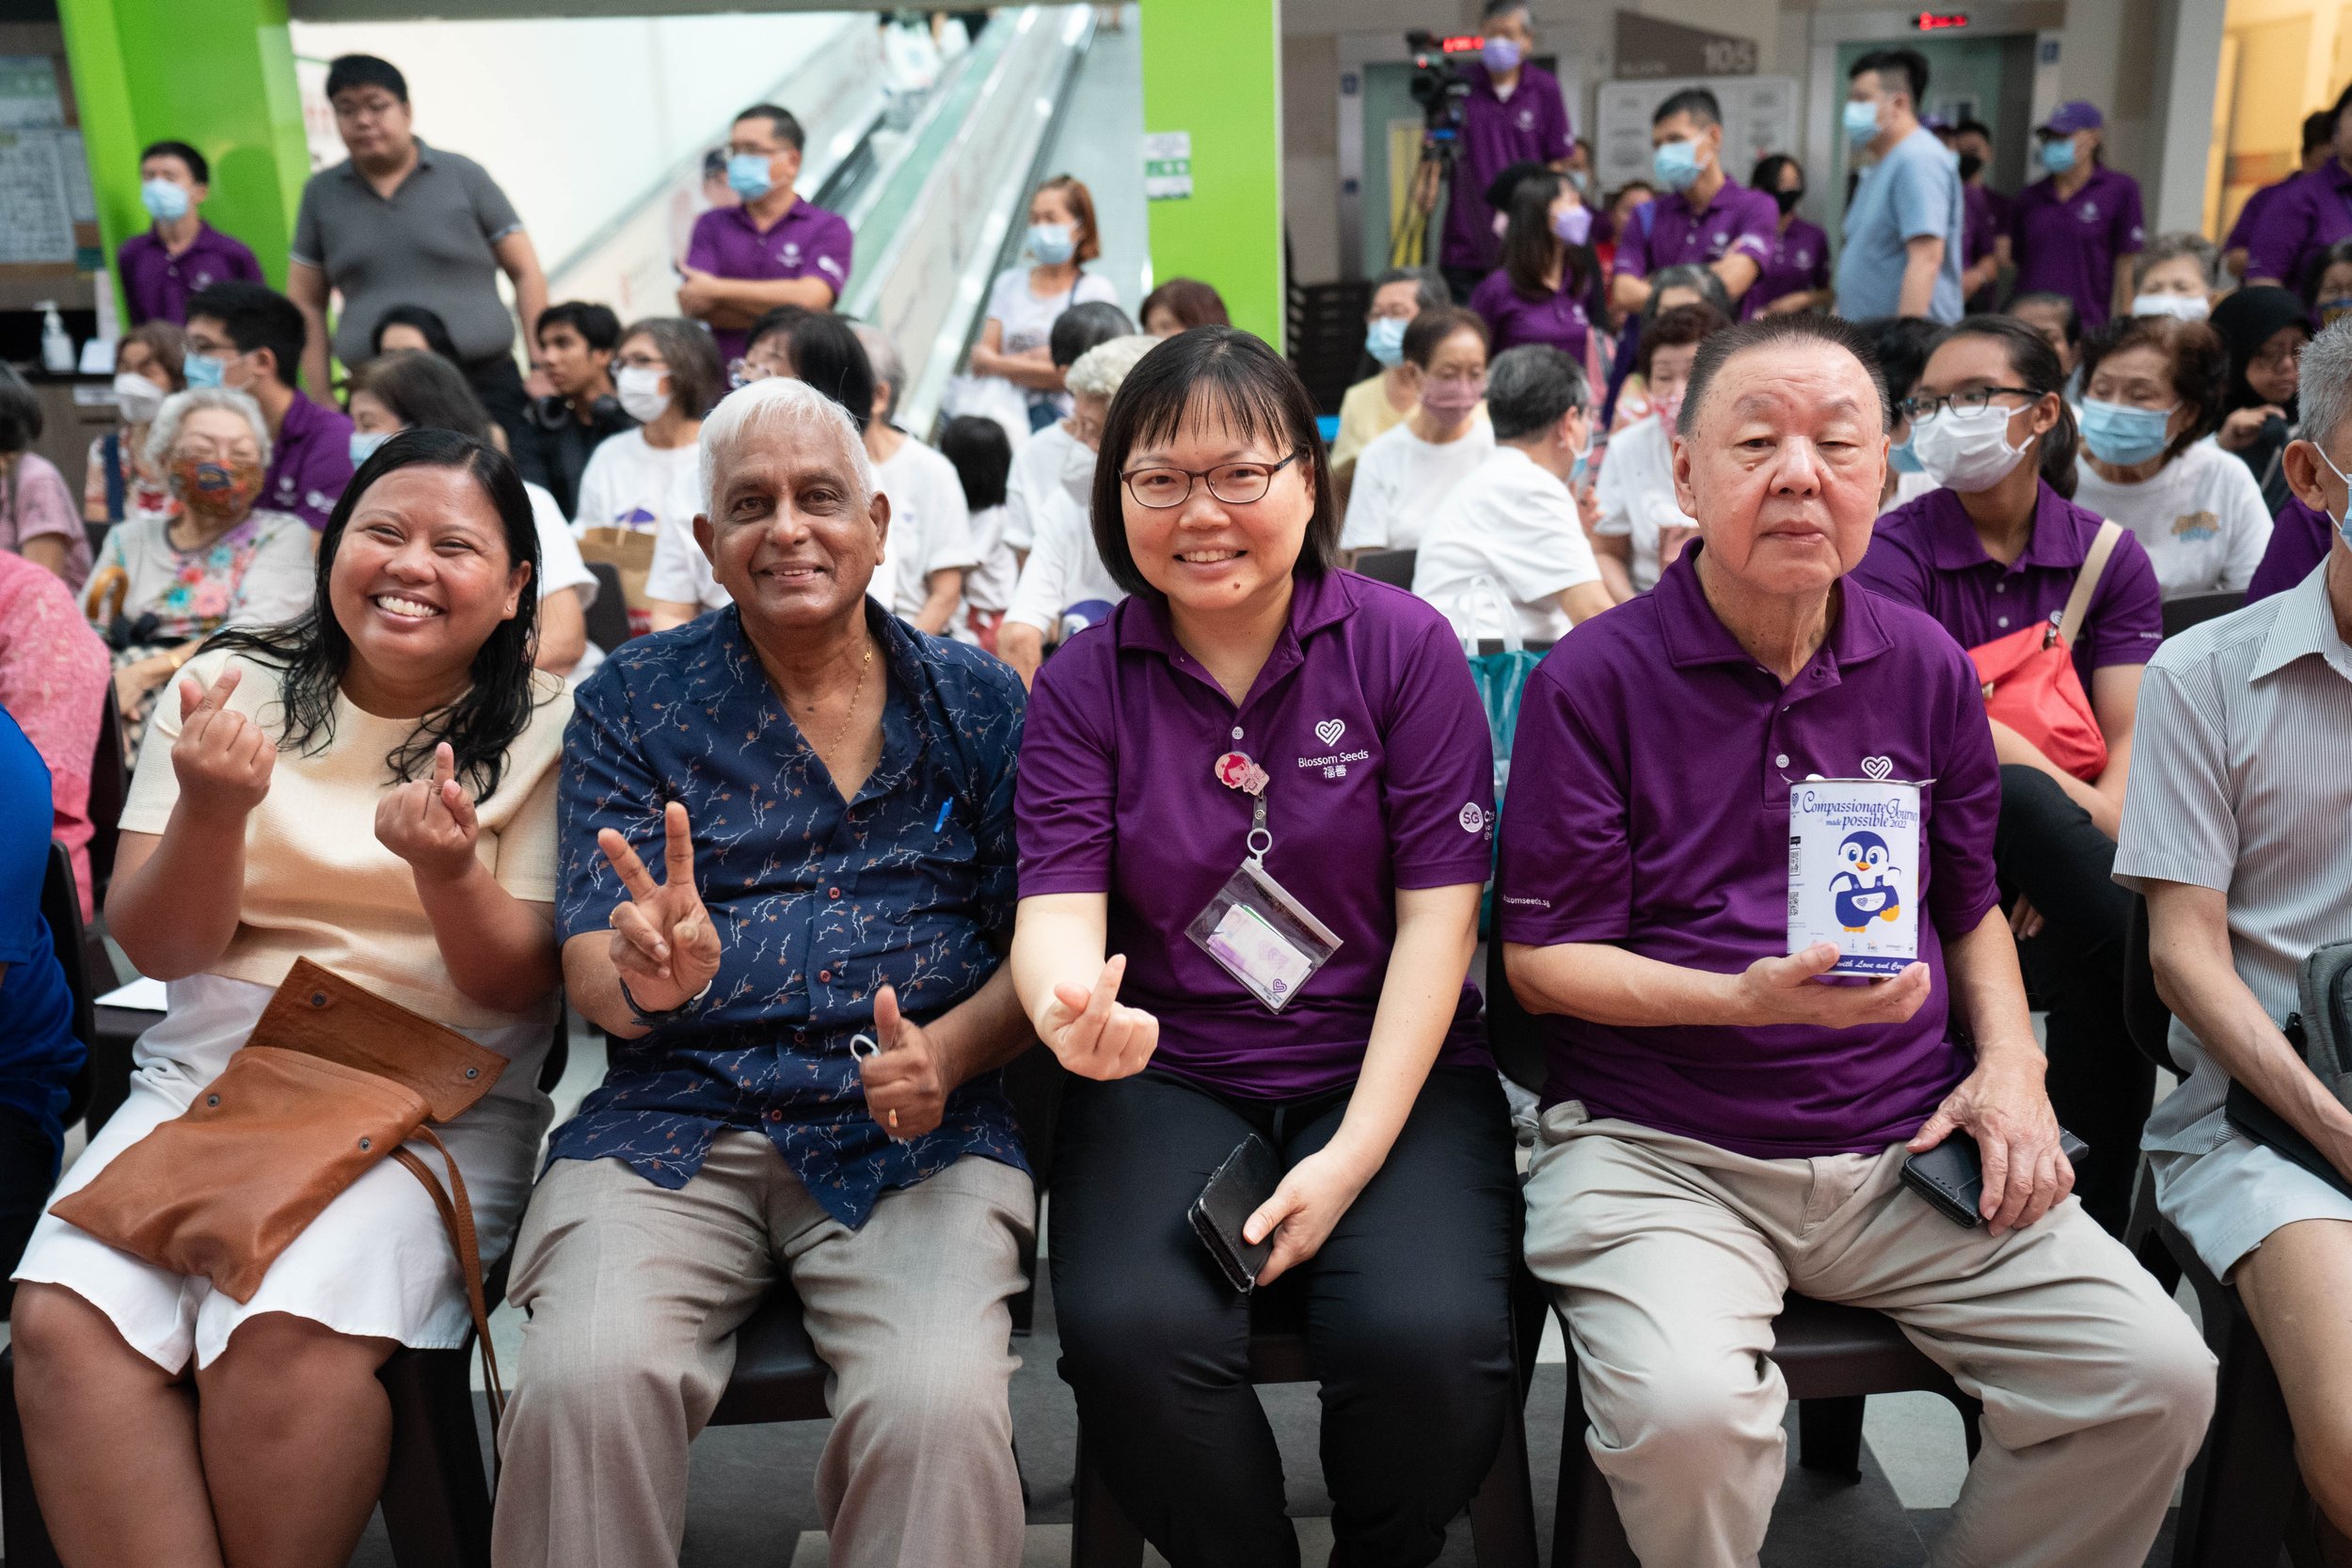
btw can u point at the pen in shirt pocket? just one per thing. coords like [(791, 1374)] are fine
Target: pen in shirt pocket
[(940, 825)]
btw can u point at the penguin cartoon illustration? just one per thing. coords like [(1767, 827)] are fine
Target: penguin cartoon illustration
[(1863, 853)]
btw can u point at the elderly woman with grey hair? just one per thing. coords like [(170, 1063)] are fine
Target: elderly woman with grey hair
[(161, 585), (931, 534), (808, 1008)]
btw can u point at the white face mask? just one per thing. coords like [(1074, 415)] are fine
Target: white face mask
[(138, 399), (1077, 474), (640, 390), (2187, 307), (1966, 452)]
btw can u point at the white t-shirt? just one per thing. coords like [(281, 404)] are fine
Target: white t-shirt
[(1064, 568), (988, 587), (1037, 465), (930, 527), (1400, 481), (1636, 492), (2202, 518), (630, 483), (1514, 524), (560, 562), (1028, 317)]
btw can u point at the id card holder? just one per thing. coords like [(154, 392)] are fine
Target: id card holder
[(1260, 934)]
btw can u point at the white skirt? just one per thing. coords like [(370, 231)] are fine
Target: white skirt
[(377, 1262)]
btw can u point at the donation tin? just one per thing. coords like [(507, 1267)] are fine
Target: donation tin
[(1853, 872)]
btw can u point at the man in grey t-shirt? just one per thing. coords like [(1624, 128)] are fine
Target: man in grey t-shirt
[(401, 223), (1902, 251)]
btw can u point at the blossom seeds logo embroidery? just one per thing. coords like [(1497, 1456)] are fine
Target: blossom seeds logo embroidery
[(1330, 731)]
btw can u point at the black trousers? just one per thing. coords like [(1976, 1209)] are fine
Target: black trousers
[(28, 1169), (499, 386), (1407, 1317), (2048, 849)]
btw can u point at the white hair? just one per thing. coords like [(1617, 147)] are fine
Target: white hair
[(1101, 371), (882, 356), (2324, 391), (779, 406), (165, 431)]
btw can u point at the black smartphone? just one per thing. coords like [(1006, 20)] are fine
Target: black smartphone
[(1950, 1176), (1246, 1179)]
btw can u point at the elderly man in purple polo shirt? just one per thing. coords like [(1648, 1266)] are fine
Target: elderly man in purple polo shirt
[(2307, 215), (774, 249), (249, 338), (1723, 1125), (1514, 115), (1706, 218), (181, 254), (2074, 232)]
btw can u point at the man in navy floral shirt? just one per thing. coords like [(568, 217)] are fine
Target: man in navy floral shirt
[(809, 1006)]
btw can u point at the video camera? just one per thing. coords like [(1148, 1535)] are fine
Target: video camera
[(1440, 86)]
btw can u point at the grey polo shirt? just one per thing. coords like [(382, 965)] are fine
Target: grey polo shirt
[(2242, 782), (427, 244)]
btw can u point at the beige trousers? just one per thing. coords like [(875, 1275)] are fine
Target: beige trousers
[(635, 1293), (1670, 1257)]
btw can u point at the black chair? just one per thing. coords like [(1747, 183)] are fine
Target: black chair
[(2192, 609), (1326, 334), (61, 907), (607, 620), (1394, 567), (109, 787)]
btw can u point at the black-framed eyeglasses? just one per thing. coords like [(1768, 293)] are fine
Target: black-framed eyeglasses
[(1974, 401), (1234, 483)]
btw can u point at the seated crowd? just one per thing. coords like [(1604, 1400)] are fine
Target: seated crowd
[(1080, 729)]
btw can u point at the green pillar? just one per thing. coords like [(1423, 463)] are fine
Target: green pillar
[(217, 74), (1214, 69)]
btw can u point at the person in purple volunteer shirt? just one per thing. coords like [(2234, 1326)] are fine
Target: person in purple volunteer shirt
[(2075, 230), (249, 338), (1704, 219), (1515, 114), (2300, 538), (1248, 680), (1720, 1127), (2310, 213), (2319, 129), (2000, 548), (1796, 277), (1541, 293), (774, 249), (181, 254)]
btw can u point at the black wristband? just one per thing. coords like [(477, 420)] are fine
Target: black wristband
[(655, 1019)]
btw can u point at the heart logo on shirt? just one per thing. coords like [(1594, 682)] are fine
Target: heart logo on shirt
[(1330, 731), (1880, 769)]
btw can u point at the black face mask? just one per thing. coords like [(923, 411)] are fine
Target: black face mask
[(1970, 167), (1789, 199)]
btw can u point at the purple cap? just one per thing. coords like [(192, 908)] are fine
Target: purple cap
[(2076, 114)]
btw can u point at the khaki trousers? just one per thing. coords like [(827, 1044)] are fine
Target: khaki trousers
[(635, 1293), (1670, 1257)]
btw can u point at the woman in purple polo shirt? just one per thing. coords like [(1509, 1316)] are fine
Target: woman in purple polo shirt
[(1541, 293), (1264, 788), (1797, 277), (1996, 549)]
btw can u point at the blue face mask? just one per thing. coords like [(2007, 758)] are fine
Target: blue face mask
[(1676, 164), (1862, 120), (1901, 458), (2057, 156), (747, 175), (2339, 522), (1384, 339), (164, 199), (1500, 54), (2119, 433), (202, 370), (363, 444), (1052, 242)]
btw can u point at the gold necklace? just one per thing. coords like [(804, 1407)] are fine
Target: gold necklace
[(859, 690)]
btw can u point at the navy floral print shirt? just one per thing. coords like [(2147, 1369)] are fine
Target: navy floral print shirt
[(817, 902)]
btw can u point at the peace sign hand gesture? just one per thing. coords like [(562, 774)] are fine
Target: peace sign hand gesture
[(430, 824), (663, 943), (222, 759)]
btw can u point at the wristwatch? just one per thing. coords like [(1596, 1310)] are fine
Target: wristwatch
[(652, 1019)]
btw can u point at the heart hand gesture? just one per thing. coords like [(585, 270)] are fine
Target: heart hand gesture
[(221, 759), (430, 824), (663, 942)]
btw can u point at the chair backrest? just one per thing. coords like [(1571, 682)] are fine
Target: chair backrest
[(109, 787), (1034, 1081), (2191, 608), (2146, 1019), (61, 907), (1394, 567), (1512, 1033), (608, 618)]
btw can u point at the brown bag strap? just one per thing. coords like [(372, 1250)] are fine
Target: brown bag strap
[(2087, 581), (457, 1215)]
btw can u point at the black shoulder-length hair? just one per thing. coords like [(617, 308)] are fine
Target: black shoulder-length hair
[(1530, 246), (315, 651), (1210, 373)]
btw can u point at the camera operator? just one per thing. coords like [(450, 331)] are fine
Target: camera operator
[(1513, 113)]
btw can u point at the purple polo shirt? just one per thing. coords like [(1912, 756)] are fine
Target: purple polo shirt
[(1650, 808), (1556, 320), (806, 241), (1667, 232), (2068, 247), (1383, 778), (309, 463), (2311, 213), (2300, 541), (158, 284), (2242, 231), (1799, 264), (1985, 216), (1926, 553), (1531, 126)]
